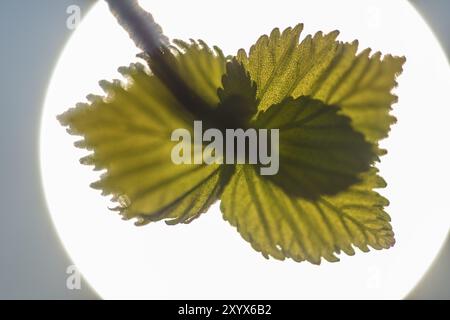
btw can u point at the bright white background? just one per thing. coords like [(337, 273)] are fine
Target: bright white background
[(208, 259)]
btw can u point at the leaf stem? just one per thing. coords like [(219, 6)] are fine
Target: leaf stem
[(140, 25)]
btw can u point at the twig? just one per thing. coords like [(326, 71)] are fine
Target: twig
[(140, 25)]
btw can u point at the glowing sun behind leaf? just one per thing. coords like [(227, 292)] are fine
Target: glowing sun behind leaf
[(186, 246)]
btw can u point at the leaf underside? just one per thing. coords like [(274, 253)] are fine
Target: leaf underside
[(330, 103), (360, 85), (281, 226), (326, 70)]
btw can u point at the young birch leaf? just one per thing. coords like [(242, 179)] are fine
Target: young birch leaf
[(192, 72), (129, 133), (319, 151), (201, 68), (327, 70), (358, 86), (279, 225), (237, 96)]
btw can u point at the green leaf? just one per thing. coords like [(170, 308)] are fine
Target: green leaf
[(200, 67), (283, 226), (129, 133), (238, 101), (139, 24), (327, 70), (330, 103), (192, 72), (319, 151), (264, 210)]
